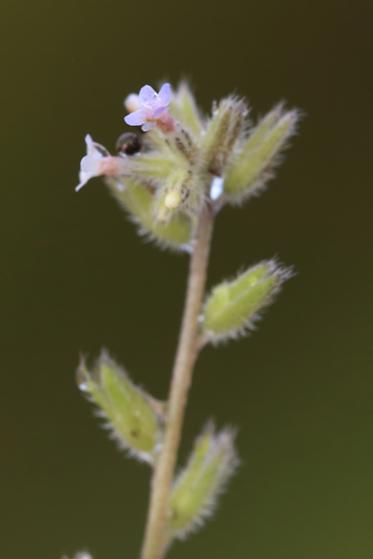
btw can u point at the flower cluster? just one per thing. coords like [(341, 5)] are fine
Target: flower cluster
[(148, 110), (181, 160)]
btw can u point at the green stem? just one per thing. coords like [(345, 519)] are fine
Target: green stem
[(156, 539)]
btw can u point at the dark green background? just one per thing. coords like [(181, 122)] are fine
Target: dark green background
[(75, 278)]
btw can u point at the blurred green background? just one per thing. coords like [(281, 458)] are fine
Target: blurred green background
[(75, 277)]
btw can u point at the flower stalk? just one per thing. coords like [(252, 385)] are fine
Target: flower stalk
[(155, 541)]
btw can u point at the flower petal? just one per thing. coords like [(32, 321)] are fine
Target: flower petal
[(158, 111), (83, 179), (148, 126), (147, 94), (136, 118), (80, 185), (132, 102), (89, 143), (165, 94), (91, 163)]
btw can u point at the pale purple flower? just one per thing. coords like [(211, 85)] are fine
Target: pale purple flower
[(151, 108), (96, 162)]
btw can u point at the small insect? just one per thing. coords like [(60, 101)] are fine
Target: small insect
[(129, 143)]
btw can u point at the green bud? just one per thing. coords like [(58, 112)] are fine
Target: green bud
[(253, 166), (198, 486), (171, 196), (185, 110), (233, 306), (222, 133), (180, 194), (138, 200), (131, 414)]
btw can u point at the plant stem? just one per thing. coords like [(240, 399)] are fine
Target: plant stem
[(156, 539)]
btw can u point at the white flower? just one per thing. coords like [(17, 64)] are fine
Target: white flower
[(97, 162)]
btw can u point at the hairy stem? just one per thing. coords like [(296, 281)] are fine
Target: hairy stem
[(155, 541)]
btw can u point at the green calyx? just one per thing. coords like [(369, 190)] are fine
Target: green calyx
[(198, 486), (253, 164), (232, 306), (131, 414)]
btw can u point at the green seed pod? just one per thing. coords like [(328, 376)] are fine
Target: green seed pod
[(138, 200), (253, 166), (130, 413), (233, 306), (222, 133), (197, 487)]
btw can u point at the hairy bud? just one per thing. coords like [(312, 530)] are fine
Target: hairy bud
[(197, 487), (233, 306), (222, 133), (130, 413), (184, 109), (181, 194), (171, 197), (252, 167)]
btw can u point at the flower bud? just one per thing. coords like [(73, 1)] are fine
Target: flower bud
[(223, 131), (233, 306), (197, 488), (171, 195), (138, 201), (180, 193), (253, 166), (129, 412), (184, 109), (132, 102)]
